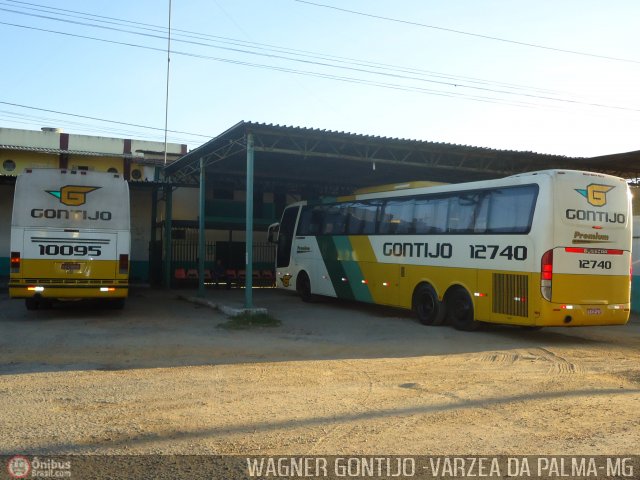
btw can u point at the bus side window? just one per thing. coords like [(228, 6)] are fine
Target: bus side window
[(482, 214), (462, 211), (431, 215), (303, 224), (317, 220), (335, 220), (362, 218), (468, 212), (371, 217), (311, 221), (397, 217), (511, 209), (354, 219)]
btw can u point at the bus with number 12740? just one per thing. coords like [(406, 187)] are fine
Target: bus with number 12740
[(547, 248)]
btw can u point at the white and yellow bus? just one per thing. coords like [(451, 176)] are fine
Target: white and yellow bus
[(70, 237), (547, 248)]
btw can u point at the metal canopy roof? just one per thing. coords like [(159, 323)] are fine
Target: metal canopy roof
[(327, 162)]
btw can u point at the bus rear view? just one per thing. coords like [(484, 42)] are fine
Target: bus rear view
[(585, 277), (70, 237)]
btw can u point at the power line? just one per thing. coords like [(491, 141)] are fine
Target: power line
[(281, 69), (102, 119), (301, 72), (267, 47), (352, 63), (350, 79), (478, 35)]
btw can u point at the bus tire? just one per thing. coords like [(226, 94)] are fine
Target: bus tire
[(429, 309), (31, 303), (460, 310), (45, 303), (303, 287), (116, 303)]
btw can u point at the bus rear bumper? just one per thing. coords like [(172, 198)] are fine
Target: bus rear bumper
[(558, 315), (68, 292)]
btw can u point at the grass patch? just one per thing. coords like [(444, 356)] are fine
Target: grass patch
[(246, 321)]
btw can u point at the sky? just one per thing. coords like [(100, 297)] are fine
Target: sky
[(556, 77)]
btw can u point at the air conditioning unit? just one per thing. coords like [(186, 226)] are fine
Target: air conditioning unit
[(141, 173)]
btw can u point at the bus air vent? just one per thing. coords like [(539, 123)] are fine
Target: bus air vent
[(510, 294)]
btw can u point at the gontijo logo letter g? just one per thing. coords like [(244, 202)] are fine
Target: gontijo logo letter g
[(72, 195), (595, 194)]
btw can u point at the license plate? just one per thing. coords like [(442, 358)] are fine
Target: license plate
[(70, 267), (594, 311)]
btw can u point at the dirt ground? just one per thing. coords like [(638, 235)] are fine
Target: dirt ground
[(334, 378)]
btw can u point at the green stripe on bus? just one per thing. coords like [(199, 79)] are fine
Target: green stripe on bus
[(335, 268), (345, 274), (352, 269)]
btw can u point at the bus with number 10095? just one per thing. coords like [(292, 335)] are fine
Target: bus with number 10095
[(541, 249), (70, 237)]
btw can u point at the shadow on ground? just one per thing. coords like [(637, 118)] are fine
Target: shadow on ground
[(158, 329)]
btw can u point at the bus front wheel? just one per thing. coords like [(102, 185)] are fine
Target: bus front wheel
[(303, 287), (460, 310), (428, 308)]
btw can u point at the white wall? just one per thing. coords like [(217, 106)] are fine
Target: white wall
[(140, 222), (184, 205)]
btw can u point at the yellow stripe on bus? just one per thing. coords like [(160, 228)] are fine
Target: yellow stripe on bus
[(69, 269)]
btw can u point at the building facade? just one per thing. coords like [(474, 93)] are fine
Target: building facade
[(139, 162)]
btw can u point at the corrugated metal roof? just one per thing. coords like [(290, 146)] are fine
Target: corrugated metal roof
[(246, 127), (287, 151), (377, 138), (58, 151)]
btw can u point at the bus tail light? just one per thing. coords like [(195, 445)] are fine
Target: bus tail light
[(15, 262), (546, 274), (123, 264)]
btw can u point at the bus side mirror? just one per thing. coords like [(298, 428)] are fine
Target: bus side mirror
[(274, 230)]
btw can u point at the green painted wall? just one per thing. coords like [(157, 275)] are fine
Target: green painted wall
[(139, 271), (635, 293)]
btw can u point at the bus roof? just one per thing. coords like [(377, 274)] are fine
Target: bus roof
[(394, 187), (409, 188)]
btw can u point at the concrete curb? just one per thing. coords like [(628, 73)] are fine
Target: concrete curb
[(227, 310)]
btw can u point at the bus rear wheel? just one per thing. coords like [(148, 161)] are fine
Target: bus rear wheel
[(303, 287), (115, 303), (428, 308), (38, 303), (31, 303), (460, 310)]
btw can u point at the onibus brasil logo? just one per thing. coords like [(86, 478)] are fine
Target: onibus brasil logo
[(20, 466), (72, 195), (595, 194)]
